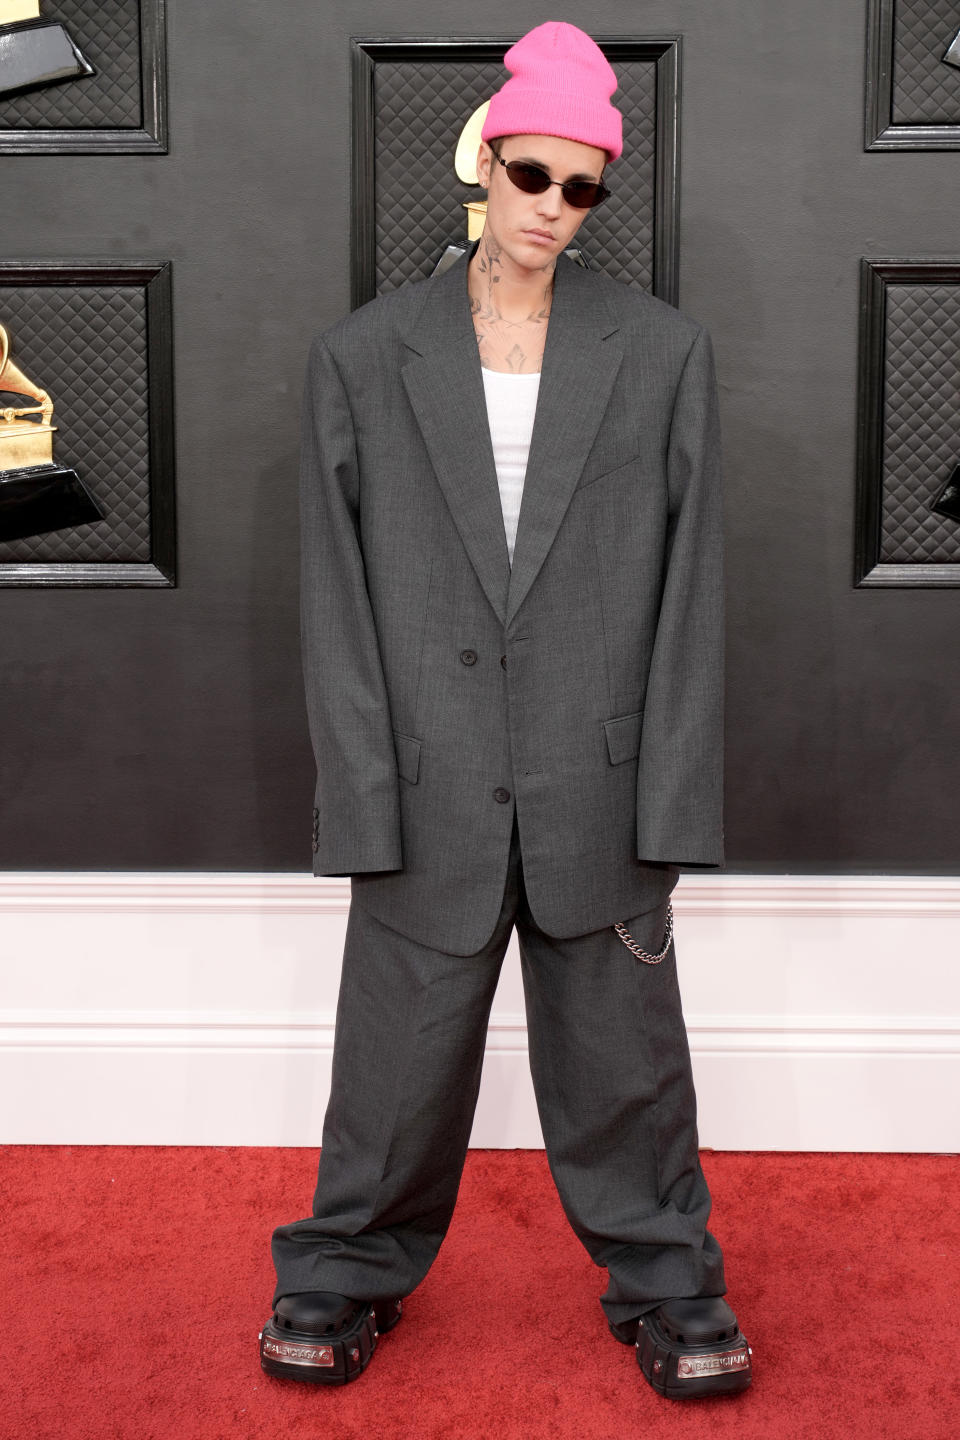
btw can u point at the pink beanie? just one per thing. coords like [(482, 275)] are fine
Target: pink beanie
[(560, 84)]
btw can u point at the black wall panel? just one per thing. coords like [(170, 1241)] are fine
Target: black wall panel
[(165, 728), (909, 413), (100, 338), (411, 95), (119, 108)]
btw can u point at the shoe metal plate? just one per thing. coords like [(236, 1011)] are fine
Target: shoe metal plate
[(294, 1352), (721, 1362)]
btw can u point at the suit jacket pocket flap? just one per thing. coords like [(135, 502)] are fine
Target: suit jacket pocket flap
[(408, 756), (623, 736), (605, 466)]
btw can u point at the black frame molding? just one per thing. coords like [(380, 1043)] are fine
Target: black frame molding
[(365, 52), (875, 277), (156, 279), (151, 138), (880, 133)]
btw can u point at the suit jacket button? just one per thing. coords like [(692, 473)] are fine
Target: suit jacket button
[(316, 845), (469, 657), (502, 795), (503, 661)]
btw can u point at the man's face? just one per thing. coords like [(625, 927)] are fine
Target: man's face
[(531, 230)]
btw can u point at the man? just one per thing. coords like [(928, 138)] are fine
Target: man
[(517, 719)]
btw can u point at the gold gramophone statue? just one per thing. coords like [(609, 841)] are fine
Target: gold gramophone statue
[(36, 495), (35, 52), (465, 164)]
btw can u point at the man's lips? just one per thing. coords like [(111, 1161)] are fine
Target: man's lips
[(539, 235)]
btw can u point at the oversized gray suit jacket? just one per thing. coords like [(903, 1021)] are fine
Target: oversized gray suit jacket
[(582, 686)]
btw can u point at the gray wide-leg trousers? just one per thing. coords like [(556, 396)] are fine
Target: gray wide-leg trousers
[(611, 1070)]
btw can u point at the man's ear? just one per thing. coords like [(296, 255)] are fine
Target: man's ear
[(484, 162)]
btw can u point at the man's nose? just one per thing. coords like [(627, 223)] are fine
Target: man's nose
[(551, 202)]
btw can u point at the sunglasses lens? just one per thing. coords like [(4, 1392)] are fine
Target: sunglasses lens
[(528, 177), (583, 195)]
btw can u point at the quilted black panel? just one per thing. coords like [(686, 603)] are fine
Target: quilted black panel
[(86, 345), (925, 90), (921, 442), (107, 33), (419, 111)]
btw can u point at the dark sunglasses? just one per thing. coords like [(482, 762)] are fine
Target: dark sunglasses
[(581, 194)]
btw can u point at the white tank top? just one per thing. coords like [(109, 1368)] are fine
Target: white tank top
[(511, 406)]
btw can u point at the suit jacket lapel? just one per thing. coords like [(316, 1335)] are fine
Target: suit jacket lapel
[(583, 354), (445, 387), (444, 383)]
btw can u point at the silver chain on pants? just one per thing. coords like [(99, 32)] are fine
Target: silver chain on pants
[(638, 950)]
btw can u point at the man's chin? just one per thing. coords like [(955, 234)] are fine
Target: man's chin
[(534, 255)]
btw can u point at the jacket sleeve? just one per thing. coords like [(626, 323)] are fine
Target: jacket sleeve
[(356, 819), (680, 771)]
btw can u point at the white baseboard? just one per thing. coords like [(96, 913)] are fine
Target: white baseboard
[(823, 1013)]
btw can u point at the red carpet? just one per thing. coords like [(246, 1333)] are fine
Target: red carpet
[(137, 1279)]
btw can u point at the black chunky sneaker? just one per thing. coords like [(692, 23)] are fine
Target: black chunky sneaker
[(687, 1348), (324, 1338)]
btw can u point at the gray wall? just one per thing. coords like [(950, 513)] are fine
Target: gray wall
[(166, 729)]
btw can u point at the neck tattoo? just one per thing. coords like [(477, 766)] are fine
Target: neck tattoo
[(507, 343)]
